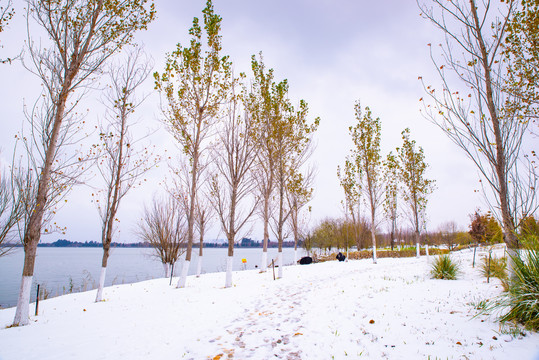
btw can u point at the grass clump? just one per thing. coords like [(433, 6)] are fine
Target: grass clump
[(523, 295), (444, 267)]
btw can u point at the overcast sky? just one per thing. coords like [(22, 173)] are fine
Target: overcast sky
[(333, 52)]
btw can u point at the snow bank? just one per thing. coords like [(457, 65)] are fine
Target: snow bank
[(354, 309)]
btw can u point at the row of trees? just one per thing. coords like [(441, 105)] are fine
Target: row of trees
[(244, 147), (83, 36), (483, 230), (367, 178)]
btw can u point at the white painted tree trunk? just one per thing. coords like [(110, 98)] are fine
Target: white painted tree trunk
[(229, 263), (199, 266), (280, 263), (166, 268), (511, 254), (183, 274), (373, 236), (22, 314), (295, 256), (417, 253), (264, 264), (427, 250), (99, 296)]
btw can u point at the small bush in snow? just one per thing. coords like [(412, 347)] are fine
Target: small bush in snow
[(522, 299), (444, 267)]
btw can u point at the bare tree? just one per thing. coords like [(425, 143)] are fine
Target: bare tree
[(448, 233), (163, 226), (232, 184), (82, 35), (122, 164), (415, 186), (195, 84), (474, 111), (366, 155)]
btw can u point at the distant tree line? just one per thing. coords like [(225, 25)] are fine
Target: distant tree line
[(244, 243), (342, 234)]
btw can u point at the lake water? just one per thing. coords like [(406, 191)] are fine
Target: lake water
[(61, 270)]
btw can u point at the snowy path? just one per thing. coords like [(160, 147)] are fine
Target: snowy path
[(391, 310)]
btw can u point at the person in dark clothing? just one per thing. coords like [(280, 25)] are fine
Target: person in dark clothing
[(340, 256)]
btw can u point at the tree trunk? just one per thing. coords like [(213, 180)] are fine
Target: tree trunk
[(166, 268), (190, 223), (33, 229), (99, 296), (509, 234), (104, 261), (229, 264), (265, 215), (183, 274), (264, 264), (280, 262), (23, 303), (373, 236), (200, 253), (373, 227)]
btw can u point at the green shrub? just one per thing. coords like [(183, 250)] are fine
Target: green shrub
[(444, 267), (523, 295)]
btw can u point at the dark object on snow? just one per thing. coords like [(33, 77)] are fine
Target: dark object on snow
[(340, 256), (306, 260)]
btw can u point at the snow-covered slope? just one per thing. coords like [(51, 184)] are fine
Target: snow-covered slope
[(330, 310)]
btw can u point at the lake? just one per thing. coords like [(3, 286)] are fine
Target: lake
[(62, 270)]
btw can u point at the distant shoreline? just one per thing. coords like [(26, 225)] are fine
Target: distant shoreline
[(244, 243)]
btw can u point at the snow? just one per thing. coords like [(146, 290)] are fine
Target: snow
[(328, 310)]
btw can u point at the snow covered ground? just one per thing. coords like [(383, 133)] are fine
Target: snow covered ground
[(329, 310)]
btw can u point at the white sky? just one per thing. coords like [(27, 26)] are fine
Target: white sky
[(333, 52)]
